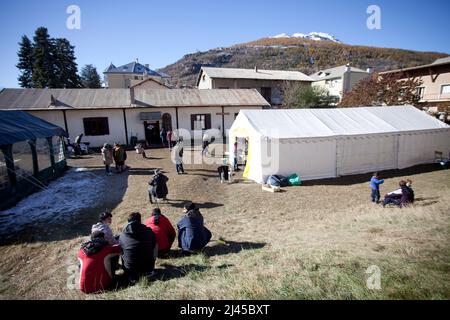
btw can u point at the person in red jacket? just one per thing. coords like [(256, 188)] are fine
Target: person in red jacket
[(164, 231), (96, 259)]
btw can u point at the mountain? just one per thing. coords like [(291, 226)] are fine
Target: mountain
[(305, 53), (316, 36)]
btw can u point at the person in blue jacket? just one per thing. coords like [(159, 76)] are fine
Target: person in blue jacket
[(192, 234), (375, 186)]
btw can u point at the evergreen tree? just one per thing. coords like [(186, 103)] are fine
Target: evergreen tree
[(90, 77), (25, 64), (43, 60), (65, 68)]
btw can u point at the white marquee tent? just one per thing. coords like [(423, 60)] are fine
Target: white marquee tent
[(324, 143)]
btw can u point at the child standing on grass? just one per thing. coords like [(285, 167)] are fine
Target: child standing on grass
[(375, 185)]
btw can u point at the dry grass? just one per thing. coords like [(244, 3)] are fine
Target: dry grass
[(310, 242)]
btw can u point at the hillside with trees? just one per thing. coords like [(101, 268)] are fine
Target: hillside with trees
[(303, 55)]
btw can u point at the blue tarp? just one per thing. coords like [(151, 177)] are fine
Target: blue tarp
[(16, 126)]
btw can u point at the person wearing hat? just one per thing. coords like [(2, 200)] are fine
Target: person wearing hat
[(107, 156), (163, 230), (139, 248), (192, 234)]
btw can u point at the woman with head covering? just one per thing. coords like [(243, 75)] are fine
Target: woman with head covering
[(163, 230), (192, 234)]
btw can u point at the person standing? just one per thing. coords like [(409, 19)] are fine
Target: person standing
[(162, 135), (107, 156), (119, 155), (177, 157), (235, 156), (375, 182), (169, 138)]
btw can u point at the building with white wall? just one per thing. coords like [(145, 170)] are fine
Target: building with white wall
[(116, 115), (339, 80)]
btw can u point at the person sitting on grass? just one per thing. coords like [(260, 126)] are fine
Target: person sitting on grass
[(139, 249), (98, 263), (401, 200), (103, 225), (375, 186), (192, 234), (163, 230)]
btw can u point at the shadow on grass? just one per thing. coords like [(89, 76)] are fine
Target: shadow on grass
[(205, 205), (228, 247), (386, 174)]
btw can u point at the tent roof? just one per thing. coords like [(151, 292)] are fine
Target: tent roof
[(309, 123), (16, 126)]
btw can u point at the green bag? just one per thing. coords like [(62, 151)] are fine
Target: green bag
[(294, 180)]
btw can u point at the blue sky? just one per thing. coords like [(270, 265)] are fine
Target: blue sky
[(161, 32)]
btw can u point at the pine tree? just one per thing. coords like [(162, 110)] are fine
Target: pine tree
[(25, 64), (43, 60), (90, 77), (65, 67)]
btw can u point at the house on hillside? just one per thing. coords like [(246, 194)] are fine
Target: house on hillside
[(268, 82), (339, 80), (131, 74), (116, 115), (435, 89)]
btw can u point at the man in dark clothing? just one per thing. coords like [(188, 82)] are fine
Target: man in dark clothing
[(139, 249), (192, 234), (158, 187)]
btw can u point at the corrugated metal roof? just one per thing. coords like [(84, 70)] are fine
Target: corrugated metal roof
[(442, 60), (437, 62), (33, 99), (196, 97), (332, 73), (236, 73), (24, 99)]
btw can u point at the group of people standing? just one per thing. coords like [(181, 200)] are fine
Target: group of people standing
[(138, 246), (167, 137), (401, 197), (116, 155)]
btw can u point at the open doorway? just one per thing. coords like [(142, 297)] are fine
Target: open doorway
[(152, 133)]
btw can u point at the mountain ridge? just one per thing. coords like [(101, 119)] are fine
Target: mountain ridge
[(296, 54)]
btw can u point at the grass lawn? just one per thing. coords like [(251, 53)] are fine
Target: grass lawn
[(315, 241)]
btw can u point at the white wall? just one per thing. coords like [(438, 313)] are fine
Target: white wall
[(115, 122), (53, 116), (363, 154), (417, 148), (135, 126)]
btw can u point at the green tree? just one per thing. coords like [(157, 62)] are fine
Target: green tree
[(297, 95), (43, 60), (90, 77), (65, 67), (25, 64)]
